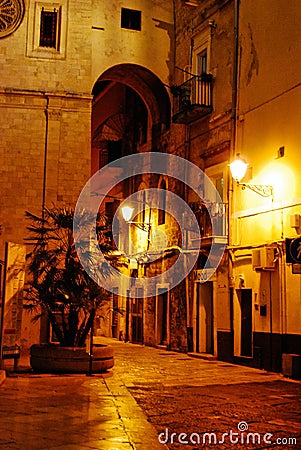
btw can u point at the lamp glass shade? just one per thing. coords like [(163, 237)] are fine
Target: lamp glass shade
[(238, 169), (127, 213)]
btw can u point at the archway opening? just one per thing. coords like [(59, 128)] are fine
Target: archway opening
[(131, 110)]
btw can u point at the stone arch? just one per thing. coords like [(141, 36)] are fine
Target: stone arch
[(146, 84), (131, 112)]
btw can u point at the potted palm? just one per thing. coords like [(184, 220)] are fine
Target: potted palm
[(60, 289)]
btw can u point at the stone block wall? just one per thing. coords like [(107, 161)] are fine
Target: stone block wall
[(45, 145)]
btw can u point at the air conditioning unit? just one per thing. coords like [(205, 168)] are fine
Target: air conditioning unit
[(264, 258)]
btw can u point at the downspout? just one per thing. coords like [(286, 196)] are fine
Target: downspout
[(231, 220), (283, 325), (45, 157), (234, 118), (3, 274), (271, 325), (174, 46), (189, 329), (44, 327)]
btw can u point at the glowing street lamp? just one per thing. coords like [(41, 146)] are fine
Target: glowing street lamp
[(127, 213), (238, 170)]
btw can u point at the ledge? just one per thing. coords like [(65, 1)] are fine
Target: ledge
[(206, 356)]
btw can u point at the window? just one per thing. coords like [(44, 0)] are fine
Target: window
[(202, 62), (217, 175), (201, 52), (48, 29), (131, 19)]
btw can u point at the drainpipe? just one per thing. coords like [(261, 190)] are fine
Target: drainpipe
[(174, 37), (271, 325), (45, 157), (231, 220), (235, 72), (283, 318), (44, 332), (3, 269), (234, 118), (188, 309)]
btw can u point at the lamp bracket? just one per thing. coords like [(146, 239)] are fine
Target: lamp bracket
[(141, 225), (262, 189)]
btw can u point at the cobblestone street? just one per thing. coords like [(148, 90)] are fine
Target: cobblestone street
[(188, 395), (212, 403)]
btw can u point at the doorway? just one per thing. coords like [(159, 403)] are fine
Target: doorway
[(204, 336), (245, 298), (162, 317), (137, 318), (115, 318)]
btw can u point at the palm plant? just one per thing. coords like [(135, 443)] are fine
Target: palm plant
[(59, 286)]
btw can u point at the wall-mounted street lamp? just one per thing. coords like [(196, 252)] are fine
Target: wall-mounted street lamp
[(127, 214), (238, 170)]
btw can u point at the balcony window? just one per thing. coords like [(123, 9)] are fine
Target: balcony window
[(212, 220), (193, 99), (202, 62)]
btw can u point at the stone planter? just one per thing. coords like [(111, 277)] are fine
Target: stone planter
[(52, 358)]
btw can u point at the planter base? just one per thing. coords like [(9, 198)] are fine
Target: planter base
[(54, 359)]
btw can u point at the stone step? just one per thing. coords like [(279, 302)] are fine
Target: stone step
[(206, 356)]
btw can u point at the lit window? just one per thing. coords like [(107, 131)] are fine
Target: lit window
[(131, 19), (48, 29)]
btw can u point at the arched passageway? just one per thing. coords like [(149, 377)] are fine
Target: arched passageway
[(131, 110)]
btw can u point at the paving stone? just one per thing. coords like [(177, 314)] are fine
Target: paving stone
[(148, 392)]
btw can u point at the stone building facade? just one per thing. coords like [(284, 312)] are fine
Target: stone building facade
[(52, 56), (205, 63), (265, 234), (84, 84)]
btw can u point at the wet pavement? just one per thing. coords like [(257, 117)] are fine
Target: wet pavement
[(151, 395)]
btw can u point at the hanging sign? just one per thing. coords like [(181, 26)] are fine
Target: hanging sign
[(203, 275)]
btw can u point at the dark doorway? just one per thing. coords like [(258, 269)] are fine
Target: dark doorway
[(162, 317), (137, 320), (115, 313), (246, 321), (127, 317)]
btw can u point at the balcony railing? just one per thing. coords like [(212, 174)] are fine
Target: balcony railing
[(192, 99), (212, 220)]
